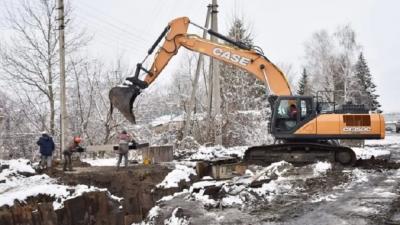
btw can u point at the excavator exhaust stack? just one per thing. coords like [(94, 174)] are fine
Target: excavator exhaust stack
[(122, 97)]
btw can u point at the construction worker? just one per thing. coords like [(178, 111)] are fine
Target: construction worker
[(293, 111), (71, 148), (124, 139), (47, 147)]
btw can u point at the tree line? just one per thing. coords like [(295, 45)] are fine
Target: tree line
[(335, 62)]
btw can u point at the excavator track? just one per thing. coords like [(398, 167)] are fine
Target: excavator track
[(300, 153)]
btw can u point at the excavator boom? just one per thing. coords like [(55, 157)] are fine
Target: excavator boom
[(176, 36)]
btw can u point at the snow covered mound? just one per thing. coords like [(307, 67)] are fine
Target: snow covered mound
[(322, 167), (19, 165), (210, 153), (180, 172), (185, 148), (188, 143), (369, 152), (16, 186), (177, 218)]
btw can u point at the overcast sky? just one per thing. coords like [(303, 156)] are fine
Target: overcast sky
[(129, 27)]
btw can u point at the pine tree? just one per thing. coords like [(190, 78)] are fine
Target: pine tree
[(367, 87), (240, 90), (303, 86), (242, 97)]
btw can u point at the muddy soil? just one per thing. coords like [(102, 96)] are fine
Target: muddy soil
[(89, 208), (135, 184), (377, 164)]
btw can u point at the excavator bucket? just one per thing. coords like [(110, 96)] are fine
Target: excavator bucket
[(122, 98)]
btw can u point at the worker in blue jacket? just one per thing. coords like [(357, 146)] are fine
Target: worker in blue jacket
[(47, 147)]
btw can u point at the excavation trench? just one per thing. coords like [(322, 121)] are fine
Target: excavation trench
[(135, 184)]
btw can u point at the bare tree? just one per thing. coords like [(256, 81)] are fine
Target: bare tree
[(330, 62), (30, 56), (89, 85), (15, 138)]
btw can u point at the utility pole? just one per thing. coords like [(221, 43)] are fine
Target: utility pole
[(62, 75), (196, 79), (215, 95)]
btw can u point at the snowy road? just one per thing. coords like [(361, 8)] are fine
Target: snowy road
[(367, 199)]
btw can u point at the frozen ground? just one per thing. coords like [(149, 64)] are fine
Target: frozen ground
[(18, 181), (320, 193), (390, 145), (280, 194)]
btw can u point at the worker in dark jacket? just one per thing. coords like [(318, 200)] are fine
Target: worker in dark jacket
[(124, 138), (71, 148), (47, 147)]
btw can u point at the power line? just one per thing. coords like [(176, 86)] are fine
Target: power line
[(99, 33), (104, 42), (157, 15), (115, 35), (117, 20), (113, 27), (125, 27)]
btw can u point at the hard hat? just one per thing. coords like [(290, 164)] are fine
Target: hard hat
[(77, 139)]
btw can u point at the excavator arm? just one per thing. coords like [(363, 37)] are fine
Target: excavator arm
[(176, 36)]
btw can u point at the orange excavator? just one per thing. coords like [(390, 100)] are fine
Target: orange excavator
[(306, 128)]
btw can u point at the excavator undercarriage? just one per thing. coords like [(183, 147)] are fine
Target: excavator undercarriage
[(300, 153)]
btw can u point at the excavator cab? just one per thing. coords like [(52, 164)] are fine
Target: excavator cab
[(290, 113)]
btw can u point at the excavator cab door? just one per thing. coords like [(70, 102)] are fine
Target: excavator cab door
[(290, 113)]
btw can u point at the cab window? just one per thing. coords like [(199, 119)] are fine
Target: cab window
[(305, 108), (287, 113)]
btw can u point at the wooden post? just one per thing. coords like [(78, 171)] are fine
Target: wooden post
[(62, 75), (215, 89), (196, 80)]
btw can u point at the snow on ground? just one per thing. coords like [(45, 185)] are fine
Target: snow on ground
[(368, 152), (390, 139), (15, 186), (278, 177), (322, 167), (181, 172), (210, 153), (20, 165), (175, 219), (379, 148), (101, 162), (280, 180)]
